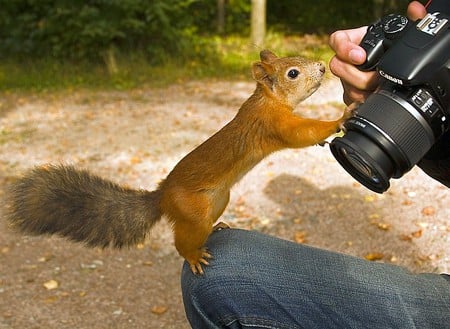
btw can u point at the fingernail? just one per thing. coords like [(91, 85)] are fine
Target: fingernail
[(357, 56)]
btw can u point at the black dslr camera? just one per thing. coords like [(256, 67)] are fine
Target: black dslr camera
[(399, 123)]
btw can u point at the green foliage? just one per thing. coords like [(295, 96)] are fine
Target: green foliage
[(223, 58), (48, 44), (86, 30), (100, 30)]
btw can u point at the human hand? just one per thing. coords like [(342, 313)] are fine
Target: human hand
[(358, 85)]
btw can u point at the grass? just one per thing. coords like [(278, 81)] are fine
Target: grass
[(221, 58)]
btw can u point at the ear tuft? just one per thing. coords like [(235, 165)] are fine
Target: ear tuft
[(267, 56)]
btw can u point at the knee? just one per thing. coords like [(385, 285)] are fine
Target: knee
[(192, 285), (206, 297), (227, 262), (203, 295), (212, 299)]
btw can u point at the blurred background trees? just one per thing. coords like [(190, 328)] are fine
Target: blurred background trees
[(80, 29), (101, 31)]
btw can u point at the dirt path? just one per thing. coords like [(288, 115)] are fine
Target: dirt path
[(135, 138)]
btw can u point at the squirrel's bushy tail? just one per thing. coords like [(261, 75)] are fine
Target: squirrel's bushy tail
[(82, 207)]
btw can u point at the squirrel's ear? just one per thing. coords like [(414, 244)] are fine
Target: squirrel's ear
[(267, 56), (262, 74)]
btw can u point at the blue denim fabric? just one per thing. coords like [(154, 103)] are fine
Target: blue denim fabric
[(257, 281)]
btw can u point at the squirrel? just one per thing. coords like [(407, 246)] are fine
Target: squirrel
[(73, 203)]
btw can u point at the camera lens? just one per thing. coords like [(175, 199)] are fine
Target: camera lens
[(364, 160), (386, 138), (359, 164)]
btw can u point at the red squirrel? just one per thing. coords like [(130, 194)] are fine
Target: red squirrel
[(57, 199)]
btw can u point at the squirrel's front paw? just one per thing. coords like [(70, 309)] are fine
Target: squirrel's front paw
[(348, 113), (220, 226)]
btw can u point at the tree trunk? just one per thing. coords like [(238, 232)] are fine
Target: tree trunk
[(258, 22), (220, 16), (109, 57)]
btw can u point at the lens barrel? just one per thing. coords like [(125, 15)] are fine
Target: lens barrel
[(385, 139)]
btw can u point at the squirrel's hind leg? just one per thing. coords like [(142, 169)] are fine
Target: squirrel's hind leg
[(190, 239), (192, 215)]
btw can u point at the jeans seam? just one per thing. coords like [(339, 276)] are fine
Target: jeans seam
[(204, 317), (256, 322)]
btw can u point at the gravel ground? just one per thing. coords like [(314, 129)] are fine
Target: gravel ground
[(135, 138)]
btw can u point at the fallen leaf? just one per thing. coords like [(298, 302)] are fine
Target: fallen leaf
[(159, 309), (433, 257), (405, 237), (384, 226), (410, 236), (135, 160), (45, 258), (369, 198), (51, 299), (423, 224), (416, 234), (428, 211), (118, 312), (373, 256), (381, 225), (50, 285), (300, 236)]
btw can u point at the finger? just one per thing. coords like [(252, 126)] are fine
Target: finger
[(352, 95), (351, 75), (416, 11), (345, 43)]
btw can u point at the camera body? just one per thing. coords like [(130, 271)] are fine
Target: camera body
[(399, 123)]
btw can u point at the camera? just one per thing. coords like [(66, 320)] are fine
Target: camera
[(398, 124)]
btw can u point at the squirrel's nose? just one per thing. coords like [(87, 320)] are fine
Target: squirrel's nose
[(321, 67)]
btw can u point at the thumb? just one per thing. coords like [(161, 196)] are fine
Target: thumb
[(416, 10)]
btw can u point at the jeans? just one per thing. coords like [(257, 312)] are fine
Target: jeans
[(258, 281)]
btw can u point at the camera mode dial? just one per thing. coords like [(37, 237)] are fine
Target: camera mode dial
[(394, 25), (379, 37)]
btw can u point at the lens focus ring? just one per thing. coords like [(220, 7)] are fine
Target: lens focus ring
[(393, 117)]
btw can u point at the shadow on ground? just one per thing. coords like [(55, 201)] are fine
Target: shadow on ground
[(346, 219)]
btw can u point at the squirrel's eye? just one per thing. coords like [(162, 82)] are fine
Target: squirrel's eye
[(293, 73)]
